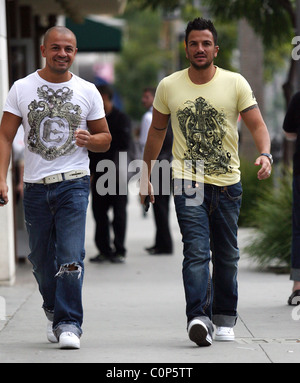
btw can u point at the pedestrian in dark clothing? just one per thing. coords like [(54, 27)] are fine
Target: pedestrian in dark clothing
[(102, 200), (162, 190), (291, 126)]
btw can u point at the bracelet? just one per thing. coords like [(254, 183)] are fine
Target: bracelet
[(269, 156)]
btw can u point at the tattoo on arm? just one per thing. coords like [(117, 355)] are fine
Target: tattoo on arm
[(160, 128), (250, 107)]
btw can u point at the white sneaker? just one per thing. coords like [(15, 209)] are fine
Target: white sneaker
[(69, 340), (50, 335), (224, 334), (199, 333)]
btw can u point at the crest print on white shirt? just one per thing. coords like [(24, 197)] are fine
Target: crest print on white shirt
[(53, 121), (51, 113)]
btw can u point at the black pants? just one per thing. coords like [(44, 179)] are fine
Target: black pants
[(101, 206), (163, 239)]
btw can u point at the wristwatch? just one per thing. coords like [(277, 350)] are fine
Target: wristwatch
[(269, 156)]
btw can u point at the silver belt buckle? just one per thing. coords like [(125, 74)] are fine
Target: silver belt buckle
[(74, 174), (53, 178)]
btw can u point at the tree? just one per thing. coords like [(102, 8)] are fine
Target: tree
[(140, 60), (273, 20)]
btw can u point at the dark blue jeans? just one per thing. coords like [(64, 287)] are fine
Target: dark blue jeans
[(55, 216), (295, 258), (209, 227)]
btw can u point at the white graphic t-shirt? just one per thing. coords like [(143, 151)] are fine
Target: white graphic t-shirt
[(51, 114)]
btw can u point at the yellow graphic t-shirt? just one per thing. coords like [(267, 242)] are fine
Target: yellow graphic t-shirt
[(204, 122)]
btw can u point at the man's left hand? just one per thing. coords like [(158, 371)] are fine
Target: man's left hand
[(266, 168), (82, 138)]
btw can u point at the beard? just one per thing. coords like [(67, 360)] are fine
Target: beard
[(201, 66)]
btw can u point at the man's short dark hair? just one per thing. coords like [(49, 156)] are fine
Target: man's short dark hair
[(106, 89), (201, 24), (150, 89)]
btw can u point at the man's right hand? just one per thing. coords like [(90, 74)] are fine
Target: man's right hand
[(3, 194), (146, 191)]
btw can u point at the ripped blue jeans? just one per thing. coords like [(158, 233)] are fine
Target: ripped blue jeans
[(55, 216)]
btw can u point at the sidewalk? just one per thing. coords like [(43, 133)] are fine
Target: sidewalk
[(135, 312)]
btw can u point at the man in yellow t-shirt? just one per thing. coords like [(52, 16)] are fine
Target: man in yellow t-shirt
[(204, 102), (204, 122)]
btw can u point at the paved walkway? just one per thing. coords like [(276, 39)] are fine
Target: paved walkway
[(135, 312)]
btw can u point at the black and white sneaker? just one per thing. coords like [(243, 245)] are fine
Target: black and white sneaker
[(198, 333)]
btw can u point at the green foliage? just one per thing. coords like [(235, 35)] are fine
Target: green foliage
[(267, 207), (276, 59), (142, 57), (253, 189), (140, 60), (227, 37), (274, 20), (169, 5), (272, 219)]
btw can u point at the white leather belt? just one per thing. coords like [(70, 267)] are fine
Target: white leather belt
[(62, 177)]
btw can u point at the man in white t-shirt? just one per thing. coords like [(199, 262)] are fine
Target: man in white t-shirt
[(204, 103), (63, 117), (147, 101)]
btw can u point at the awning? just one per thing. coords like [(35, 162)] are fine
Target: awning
[(94, 36)]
